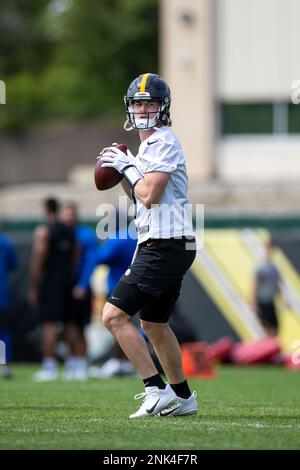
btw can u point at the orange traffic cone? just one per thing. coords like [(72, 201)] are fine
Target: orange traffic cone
[(196, 361)]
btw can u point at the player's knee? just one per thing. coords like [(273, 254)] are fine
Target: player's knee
[(112, 317), (151, 329), (108, 317)]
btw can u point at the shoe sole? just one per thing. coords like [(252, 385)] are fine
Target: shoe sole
[(173, 413), (188, 413)]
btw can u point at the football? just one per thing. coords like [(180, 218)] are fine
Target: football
[(106, 178)]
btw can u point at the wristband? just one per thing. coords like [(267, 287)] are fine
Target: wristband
[(132, 175)]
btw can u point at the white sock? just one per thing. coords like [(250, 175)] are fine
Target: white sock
[(70, 363), (49, 363), (81, 363)]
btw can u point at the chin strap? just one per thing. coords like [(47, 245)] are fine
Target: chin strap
[(126, 124)]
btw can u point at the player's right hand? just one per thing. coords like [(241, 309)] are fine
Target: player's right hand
[(32, 298), (114, 158)]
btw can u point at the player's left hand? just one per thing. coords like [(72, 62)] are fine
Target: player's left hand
[(114, 158), (79, 293)]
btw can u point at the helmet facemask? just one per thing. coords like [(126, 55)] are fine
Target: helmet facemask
[(143, 123), (162, 116), (147, 87), (149, 120)]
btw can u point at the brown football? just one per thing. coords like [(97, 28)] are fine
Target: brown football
[(106, 178)]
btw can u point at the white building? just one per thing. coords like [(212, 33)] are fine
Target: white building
[(233, 67)]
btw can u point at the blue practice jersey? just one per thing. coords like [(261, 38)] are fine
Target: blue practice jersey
[(117, 254), (88, 244), (8, 262)]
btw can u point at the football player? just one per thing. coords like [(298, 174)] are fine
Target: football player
[(156, 180)]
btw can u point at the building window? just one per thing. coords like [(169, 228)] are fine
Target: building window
[(247, 118), (294, 118), (260, 118)]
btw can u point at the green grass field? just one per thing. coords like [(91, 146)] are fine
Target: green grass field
[(244, 408)]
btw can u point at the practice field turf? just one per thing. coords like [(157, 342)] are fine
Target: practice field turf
[(253, 408)]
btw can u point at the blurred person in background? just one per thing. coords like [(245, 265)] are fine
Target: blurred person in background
[(8, 263), (80, 309), (116, 252), (52, 278), (266, 288)]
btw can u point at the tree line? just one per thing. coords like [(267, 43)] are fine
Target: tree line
[(72, 59)]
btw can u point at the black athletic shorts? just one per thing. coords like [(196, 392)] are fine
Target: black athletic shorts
[(151, 285), (4, 320), (267, 314), (55, 300), (80, 311)]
